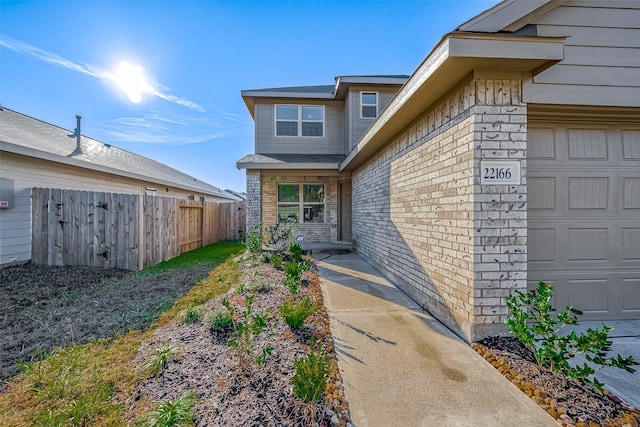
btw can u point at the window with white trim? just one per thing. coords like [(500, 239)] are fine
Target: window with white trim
[(300, 120), (368, 105), (301, 203)]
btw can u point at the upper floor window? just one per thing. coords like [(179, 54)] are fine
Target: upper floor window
[(368, 105), (300, 120)]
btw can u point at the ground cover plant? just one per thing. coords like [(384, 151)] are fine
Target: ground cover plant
[(538, 360), (110, 382)]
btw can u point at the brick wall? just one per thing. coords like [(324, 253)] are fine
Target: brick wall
[(500, 211), (313, 232), (254, 199), (422, 217)]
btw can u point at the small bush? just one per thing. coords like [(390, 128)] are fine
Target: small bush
[(532, 324), (160, 359), (173, 413), (221, 320), (312, 374), (259, 287), (276, 260), (191, 314), (279, 235), (296, 252), (254, 239), (294, 314)]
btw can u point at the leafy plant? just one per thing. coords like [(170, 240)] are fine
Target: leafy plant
[(279, 235), (247, 327), (262, 286), (533, 325), (173, 413), (163, 355), (254, 239), (220, 320), (294, 314), (191, 314), (293, 280), (312, 374), (276, 260), (296, 252)]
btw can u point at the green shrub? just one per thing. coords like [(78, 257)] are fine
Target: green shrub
[(533, 325), (279, 235), (220, 320), (159, 360), (276, 260), (293, 280), (191, 314), (173, 413), (246, 329), (312, 374), (259, 287), (295, 250), (254, 239), (294, 314)]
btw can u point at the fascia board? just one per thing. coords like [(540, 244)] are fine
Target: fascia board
[(456, 56), (43, 155), (287, 166)]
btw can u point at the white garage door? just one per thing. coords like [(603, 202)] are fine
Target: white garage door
[(583, 192)]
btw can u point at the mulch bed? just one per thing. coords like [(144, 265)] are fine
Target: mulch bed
[(261, 395), (571, 403)]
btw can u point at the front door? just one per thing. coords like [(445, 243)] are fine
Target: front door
[(345, 210)]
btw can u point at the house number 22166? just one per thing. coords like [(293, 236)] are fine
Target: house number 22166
[(496, 172)]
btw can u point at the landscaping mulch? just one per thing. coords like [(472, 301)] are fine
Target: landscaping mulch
[(261, 395), (570, 402)]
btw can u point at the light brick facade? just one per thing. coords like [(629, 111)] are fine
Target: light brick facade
[(254, 199), (422, 217), (326, 231)]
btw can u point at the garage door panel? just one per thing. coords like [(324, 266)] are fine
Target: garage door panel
[(589, 295), (631, 244), (583, 194), (631, 144), (588, 244), (587, 144), (631, 295), (631, 193), (588, 193)]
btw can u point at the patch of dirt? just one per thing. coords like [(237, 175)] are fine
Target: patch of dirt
[(231, 395), (570, 402), (45, 307)]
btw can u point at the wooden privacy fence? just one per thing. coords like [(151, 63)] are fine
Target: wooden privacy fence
[(105, 229)]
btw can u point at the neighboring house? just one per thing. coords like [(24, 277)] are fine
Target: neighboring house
[(510, 156), (37, 154)]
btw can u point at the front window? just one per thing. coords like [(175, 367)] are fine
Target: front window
[(368, 105), (300, 120), (301, 202)]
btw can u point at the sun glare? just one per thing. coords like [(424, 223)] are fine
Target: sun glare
[(130, 78)]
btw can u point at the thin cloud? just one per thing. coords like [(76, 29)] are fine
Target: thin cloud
[(157, 129), (54, 59)]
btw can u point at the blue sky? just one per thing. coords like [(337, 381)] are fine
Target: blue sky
[(58, 59)]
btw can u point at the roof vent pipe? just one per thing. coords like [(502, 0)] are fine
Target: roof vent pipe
[(78, 135)]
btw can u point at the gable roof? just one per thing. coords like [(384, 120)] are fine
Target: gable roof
[(481, 43), (21, 134), (327, 92)]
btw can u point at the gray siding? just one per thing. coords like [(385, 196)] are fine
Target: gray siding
[(602, 55), (268, 143), (357, 125)]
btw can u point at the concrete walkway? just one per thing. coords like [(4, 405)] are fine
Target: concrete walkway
[(401, 367)]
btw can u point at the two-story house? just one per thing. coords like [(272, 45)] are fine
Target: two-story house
[(302, 136), (510, 156)]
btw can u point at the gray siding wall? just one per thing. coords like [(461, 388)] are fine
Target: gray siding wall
[(268, 143), (602, 55), (358, 126)]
